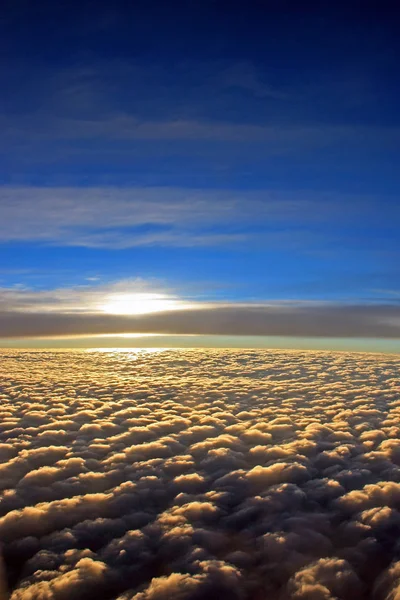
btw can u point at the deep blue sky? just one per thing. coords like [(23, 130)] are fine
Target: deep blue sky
[(265, 134)]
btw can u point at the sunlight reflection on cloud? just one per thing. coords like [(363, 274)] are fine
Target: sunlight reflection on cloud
[(199, 474)]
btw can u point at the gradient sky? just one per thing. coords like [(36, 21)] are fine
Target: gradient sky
[(240, 159)]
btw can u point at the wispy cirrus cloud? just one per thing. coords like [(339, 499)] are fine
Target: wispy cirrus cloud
[(124, 217), (119, 217), (230, 105), (270, 139)]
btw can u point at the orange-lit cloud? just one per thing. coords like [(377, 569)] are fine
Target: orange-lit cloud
[(191, 474)]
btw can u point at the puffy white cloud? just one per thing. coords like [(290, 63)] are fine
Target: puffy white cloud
[(199, 474)]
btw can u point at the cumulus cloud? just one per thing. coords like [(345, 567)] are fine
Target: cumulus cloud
[(198, 474)]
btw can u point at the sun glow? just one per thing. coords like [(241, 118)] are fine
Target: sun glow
[(141, 303)]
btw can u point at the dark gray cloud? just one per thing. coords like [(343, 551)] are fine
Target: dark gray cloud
[(279, 319), (199, 474)]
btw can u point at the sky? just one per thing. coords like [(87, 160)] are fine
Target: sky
[(211, 173)]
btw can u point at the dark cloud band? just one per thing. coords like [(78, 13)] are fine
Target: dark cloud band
[(313, 320)]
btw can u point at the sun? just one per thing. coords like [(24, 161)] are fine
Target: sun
[(140, 303)]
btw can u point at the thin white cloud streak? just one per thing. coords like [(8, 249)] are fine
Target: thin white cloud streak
[(115, 112), (129, 128), (84, 103), (200, 474), (115, 217), (272, 140), (89, 298)]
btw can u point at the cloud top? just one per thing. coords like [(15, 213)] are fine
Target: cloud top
[(196, 474)]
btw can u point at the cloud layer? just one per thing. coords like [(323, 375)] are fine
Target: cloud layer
[(200, 474), (275, 319), (87, 310)]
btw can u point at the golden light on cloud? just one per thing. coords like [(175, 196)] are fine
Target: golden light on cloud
[(141, 303)]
